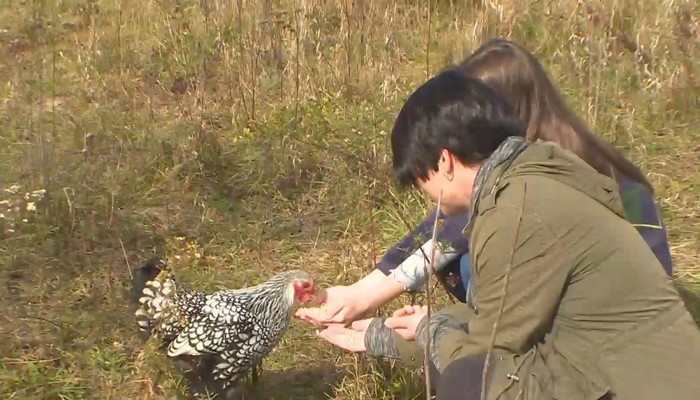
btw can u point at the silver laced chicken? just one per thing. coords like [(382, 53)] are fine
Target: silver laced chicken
[(233, 330)]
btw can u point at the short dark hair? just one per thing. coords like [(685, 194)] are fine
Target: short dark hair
[(454, 112)]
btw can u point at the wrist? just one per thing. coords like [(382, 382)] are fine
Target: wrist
[(379, 341), (375, 290), (361, 296), (437, 325), (421, 329)]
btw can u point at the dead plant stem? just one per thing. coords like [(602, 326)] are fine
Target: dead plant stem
[(428, 300)]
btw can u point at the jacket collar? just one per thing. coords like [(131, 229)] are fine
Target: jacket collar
[(504, 155)]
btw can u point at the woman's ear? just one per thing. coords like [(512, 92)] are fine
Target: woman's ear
[(446, 164)]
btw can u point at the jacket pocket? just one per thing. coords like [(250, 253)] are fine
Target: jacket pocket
[(540, 374), (536, 388), (537, 380), (511, 376)]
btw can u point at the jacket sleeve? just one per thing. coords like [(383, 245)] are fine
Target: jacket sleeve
[(643, 213), (450, 232), (657, 239), (385, 342), (539, 274), (405, 261)]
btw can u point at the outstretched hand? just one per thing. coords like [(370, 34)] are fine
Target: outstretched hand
[(351, 339), (405, 320), (335, 305)]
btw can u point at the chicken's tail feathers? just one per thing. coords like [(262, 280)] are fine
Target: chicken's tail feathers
[(147, 272), (154, 288)]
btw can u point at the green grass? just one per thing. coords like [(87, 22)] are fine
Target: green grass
[(249, 138)]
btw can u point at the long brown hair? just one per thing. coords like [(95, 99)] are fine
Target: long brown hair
[(520, 78)]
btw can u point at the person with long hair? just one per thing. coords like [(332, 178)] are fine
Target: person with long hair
[(517, 76), (566, 297)]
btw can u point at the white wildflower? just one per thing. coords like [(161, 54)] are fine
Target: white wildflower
[(2, 216), (177, 257), (10, 231), (24, 220), (197, 255), (13, 189), (31, 206), (39, 194)]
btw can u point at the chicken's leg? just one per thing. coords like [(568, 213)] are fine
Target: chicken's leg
[(256, 371)]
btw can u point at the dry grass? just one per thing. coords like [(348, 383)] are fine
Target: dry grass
[(247, 137)]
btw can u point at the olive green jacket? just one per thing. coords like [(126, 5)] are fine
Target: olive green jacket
[(588, 309)]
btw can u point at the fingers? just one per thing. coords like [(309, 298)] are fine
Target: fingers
[(396, 322), (312, 322), (408, 310), (332, 330), (344, 338), (361, 325), (322, 314), (337, 317), (330, 334), (405, 324), (403, 311)]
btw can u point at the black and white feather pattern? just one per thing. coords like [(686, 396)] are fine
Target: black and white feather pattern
[(240, 327)]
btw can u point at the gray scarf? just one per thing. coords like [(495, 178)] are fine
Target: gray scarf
[(505, 153)]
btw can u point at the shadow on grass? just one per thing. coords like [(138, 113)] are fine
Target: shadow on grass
[(311, 383)]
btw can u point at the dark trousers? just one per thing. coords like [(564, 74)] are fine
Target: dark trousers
[(461, 380)]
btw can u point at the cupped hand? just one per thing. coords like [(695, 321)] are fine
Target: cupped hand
[(350, 339), (405, 320), (336, 305)]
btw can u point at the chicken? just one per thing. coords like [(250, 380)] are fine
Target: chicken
[(237, 327)]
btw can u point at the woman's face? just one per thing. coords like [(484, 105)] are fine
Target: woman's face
[(455, 180)]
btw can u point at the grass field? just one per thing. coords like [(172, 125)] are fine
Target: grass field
[(241, 138)]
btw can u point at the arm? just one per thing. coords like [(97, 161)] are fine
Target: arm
[(346, 303), (539, 275), (405, 262), (657, 240), (643, 213), (375, 290)]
